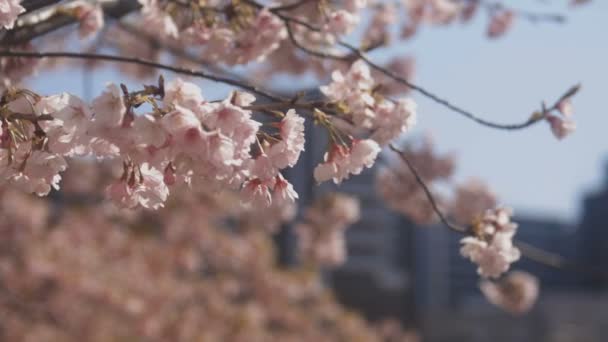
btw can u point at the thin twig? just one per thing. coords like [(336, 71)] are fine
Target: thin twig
[(427, 191), (533, 17), (357, 53), (144, 62), (527, 250)]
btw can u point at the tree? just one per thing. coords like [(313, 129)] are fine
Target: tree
[(202, 178)]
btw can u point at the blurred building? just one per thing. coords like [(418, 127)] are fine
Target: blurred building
[(416, 274)]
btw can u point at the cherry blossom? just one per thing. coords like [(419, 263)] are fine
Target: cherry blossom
[(470, 199), (341, 22), (287, 151), (561, 127), (283, 191), (256, 192), (321, 235), (141, 185), (392, 119), (9, 10), (565, 107), (500, 23), (109, 107), (492, 247), (222, 157), (342, 161), (515, 293), (185, 94), (90, 18), (38, 172), (354, 92), (67, 133)]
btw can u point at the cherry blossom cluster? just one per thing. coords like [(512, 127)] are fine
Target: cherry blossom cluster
[(444, 12), (332, 21), (341, 161), (182, 140), (491, 246), (435, 12), (74, 272), (516, 292), (321, 235), (227, 32), (168, 135), (354, 93), (361, 112)]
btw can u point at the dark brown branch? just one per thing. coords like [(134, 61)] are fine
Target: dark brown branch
[(427, 191), (143, 62), (290, 7), (312, 52), (357, 53), (174, 50), (529, 251), (23, 34), (30, 117)]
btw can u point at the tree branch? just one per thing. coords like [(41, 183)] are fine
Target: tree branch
[(143, 62), (527, 250), (357, 53)]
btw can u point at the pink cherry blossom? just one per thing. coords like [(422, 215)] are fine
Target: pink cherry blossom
[(36, 171), (393, 119), (471, 198), (565, 107), (90, 18), (334, 165), (492, 261), (283, 191), (287, 151), (561, 127), (379, 28), (500, 23), (159, 22), (321, 235), (363, 153), (67, 134), (516, 293), (257, 193), (342, 161), (109, 107), (492, 248), (149, 131), (184, 94), (144, 186), (152, 192), (9, 10), (386, 119), (341, 22), (184, 126)]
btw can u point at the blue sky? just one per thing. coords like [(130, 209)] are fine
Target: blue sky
[(504, 80)]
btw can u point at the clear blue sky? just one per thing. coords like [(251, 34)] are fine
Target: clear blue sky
[(503, 80)]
